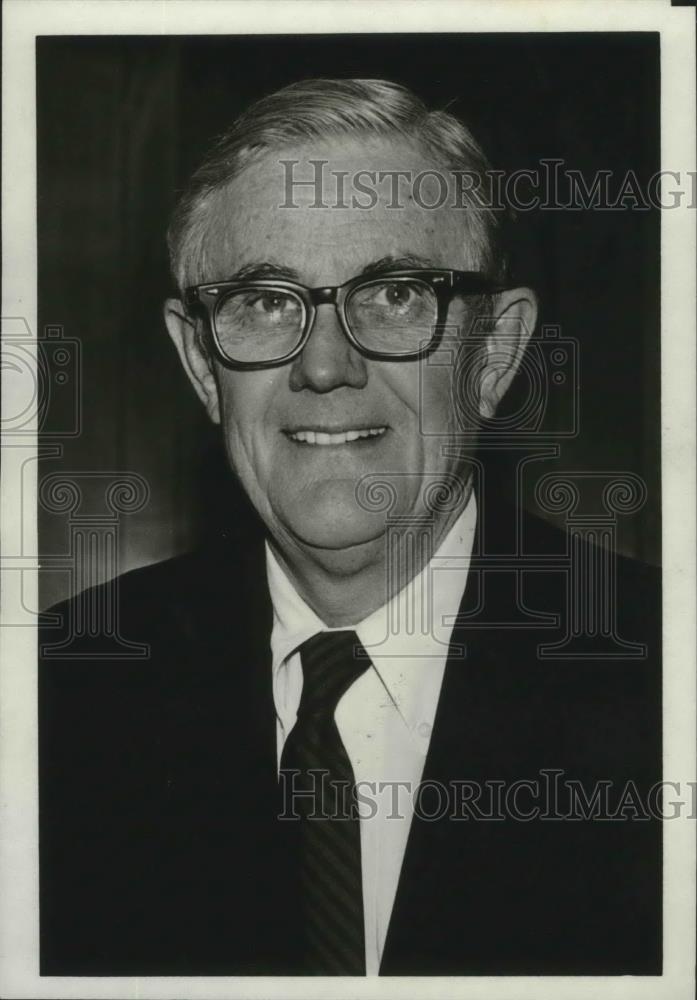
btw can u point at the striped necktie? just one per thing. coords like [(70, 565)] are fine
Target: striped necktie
[(319, 777)]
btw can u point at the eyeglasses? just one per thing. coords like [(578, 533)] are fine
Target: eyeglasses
[(398, 315)]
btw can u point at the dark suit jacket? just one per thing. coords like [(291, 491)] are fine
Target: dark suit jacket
[(160, 851)]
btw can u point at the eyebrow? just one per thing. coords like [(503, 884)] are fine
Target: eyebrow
[(267, 269), (258, 270), (397, 263)]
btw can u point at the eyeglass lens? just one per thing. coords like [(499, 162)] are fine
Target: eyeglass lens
[(392, 316)]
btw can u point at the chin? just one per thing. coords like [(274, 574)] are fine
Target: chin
[(335, 526)]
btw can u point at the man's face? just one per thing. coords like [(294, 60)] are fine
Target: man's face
[(275, 421)]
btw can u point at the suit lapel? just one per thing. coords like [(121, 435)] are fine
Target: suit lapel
[(476, 737), (222, 711), (483, 896), (434, 853)]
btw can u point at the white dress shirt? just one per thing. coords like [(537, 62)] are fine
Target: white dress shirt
[(386, 716)]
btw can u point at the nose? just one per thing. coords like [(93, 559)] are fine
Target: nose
[(328, 360)]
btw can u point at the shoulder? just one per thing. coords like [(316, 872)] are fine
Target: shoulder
[(584, 565), (508, 535), (583, 620), (158, 605), (135, 669)]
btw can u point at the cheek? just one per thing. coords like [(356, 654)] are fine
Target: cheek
[(423, 394), (406, 383), (436, 401), (246, 398)]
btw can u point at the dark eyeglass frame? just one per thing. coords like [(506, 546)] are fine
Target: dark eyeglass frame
[(204, 301)]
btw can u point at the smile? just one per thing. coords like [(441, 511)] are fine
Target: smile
[(342, 437)]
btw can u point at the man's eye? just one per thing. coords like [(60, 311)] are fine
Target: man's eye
[(396, 295), (270, 302)]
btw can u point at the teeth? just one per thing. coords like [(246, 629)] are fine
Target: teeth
[(320, 437)]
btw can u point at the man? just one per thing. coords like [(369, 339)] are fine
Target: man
[(265, 793)]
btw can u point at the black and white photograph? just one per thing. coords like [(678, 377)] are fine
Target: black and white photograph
[(348, 499)]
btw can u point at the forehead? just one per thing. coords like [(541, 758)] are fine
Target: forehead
[(352, 213)]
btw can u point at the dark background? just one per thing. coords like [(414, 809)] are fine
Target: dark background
[(121, 123)]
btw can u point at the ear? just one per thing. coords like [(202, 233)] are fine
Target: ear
[(193, 356), (515, 315)]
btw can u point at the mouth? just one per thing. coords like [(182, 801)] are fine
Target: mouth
[(320, 438)]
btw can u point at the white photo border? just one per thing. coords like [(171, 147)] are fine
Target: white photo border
[(23, 21)]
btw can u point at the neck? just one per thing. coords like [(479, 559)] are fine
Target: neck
[(344, 586)]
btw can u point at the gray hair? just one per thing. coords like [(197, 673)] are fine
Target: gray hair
[(316, 109)]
